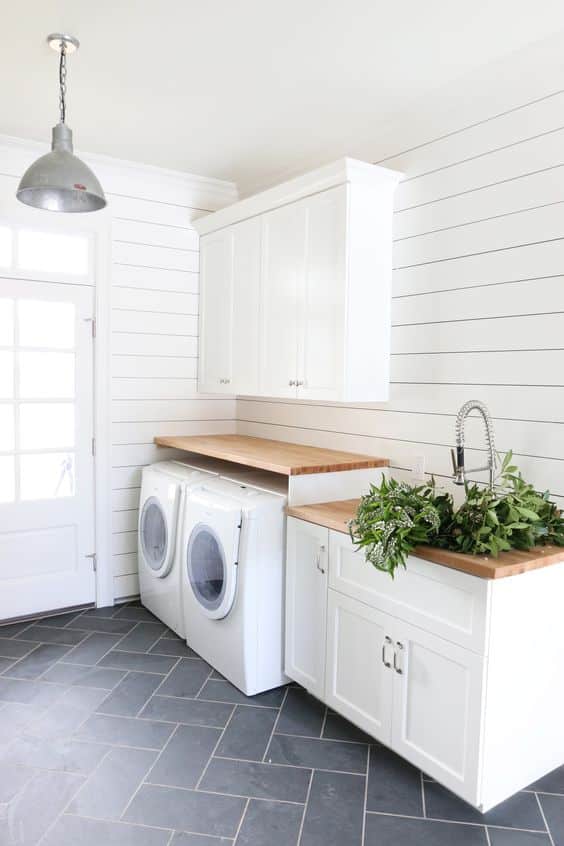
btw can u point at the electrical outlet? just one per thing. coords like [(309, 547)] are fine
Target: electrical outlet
[(418, 468)]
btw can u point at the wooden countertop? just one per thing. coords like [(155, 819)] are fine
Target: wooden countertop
[(335, 515), (276, 456)]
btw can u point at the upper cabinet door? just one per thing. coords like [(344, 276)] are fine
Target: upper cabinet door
[(322, 305), (246, 298), (283, 265), (216, 308)]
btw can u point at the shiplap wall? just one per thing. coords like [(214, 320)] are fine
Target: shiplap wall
[(154, 357), (478, 305)]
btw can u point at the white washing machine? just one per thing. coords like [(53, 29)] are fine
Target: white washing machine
[(161, 505), (232, 564)]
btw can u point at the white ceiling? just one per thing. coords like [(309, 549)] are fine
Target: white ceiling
[(249, 89)]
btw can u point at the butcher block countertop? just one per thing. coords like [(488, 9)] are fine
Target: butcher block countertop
[(276, 456), (335, 515)]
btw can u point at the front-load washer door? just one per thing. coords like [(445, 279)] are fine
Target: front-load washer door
[(211, 562), (155, 538)]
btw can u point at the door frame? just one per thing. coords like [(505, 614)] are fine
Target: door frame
[(98, 230)]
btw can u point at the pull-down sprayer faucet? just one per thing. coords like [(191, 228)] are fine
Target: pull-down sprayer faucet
[(460, 470)]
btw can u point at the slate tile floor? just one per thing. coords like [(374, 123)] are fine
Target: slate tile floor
[(114, 733)]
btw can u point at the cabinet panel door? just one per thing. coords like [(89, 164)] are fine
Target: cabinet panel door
[(216, 300), (322, 306), (437, 709), (359, 671), (246, 293), (306, 604), (283, 261)]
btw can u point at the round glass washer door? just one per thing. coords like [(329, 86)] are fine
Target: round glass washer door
[(212, 579), (154, 537)]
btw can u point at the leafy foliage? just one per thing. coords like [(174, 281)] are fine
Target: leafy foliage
[(394, 517)]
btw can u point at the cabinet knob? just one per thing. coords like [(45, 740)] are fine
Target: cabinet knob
[(387, 642), (397, 667)]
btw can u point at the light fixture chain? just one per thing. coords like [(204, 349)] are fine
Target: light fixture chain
[(63, 81)]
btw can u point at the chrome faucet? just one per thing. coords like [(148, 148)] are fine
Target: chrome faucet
[(460, 470)]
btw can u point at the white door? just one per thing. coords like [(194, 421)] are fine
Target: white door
[(283, 265), (359, 674), (437, 706), (46, 463), (306, 604), (246, 297), (216, 305), (322, 305)]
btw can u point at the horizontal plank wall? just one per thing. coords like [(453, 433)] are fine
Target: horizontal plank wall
[(154, 351), (478, 305)]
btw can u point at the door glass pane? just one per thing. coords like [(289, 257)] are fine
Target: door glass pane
[(52, 252), (49, 375), (7, 478), (154, 534), (6, 374), (6, 428), (206, 568), (6, 323), (47, 476), (5, 246), (46, 425), (45, 324)]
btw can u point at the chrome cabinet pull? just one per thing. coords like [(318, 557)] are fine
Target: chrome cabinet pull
[(320, 552), (397, 668), (387, 642), (292, 382), (300, 383)]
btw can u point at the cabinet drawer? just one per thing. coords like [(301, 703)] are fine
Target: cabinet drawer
[(445, 602)]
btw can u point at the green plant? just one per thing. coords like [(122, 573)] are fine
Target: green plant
[(394, 517)]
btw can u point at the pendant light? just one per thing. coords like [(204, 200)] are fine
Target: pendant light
[(59, 181)]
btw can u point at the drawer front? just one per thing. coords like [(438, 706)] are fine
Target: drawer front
[(445, 602)]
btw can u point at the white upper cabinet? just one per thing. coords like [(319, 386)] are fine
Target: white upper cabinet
[(306, 309)]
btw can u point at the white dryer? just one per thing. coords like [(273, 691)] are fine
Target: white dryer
[(232, 564), (163, 490)]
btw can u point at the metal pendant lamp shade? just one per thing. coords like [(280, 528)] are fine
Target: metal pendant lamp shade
[(60, 181)]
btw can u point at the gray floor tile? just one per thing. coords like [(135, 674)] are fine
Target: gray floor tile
[(189, 711), (108, 611), (59, 621), (30, 692), (248, 733), (224, 691), (13, 778), (318, 754), (187, 678), (70, 831), (138, 661), (14, 648), (504, 837), (182, 838), (185, 756), (334, 811), (12, 629), (400, 831), (38, 805), (125, 731), (142, 637), (394, 786), (14, 718), (553, 807), (37, 662), (131, 694), (134, 612), (5, 663), (62, 754), (89, 623), (92, 649), (103, 678), (301, 714), (61, 720), (186, 810), (167, 646), (49, 634), (551, 783), (520, 811), (106, 793), (261, 781), (272, 823), (82, 696), (337, 728)]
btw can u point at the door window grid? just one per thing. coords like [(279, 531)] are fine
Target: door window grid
[(34, 470)]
